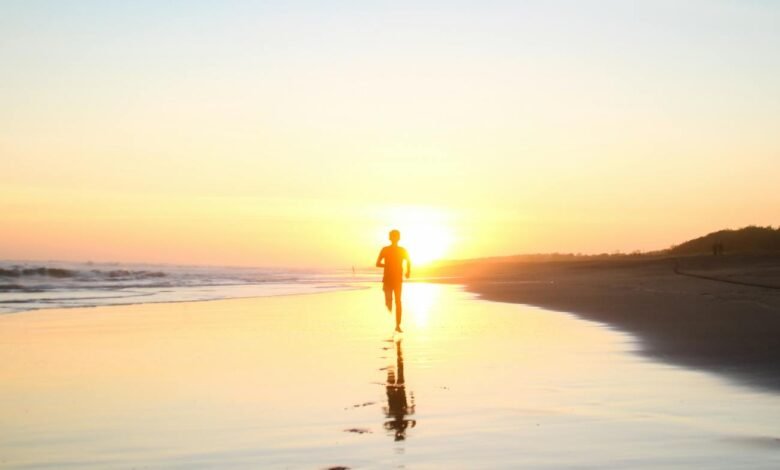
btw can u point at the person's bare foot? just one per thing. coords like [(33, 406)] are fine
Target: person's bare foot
[(398, 329)]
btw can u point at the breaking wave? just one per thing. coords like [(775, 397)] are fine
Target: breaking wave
[(30, 286)]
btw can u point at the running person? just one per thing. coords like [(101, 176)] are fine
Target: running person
[(392, 259)]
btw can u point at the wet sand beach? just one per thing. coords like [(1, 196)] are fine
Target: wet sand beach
[(319, 381), (720, 314)]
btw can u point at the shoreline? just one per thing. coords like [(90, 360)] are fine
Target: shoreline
[(696, 312), (724, 326)]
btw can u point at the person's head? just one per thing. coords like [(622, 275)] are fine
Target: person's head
[(394, 236)]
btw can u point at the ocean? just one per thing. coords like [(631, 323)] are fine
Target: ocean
[(32, 285)]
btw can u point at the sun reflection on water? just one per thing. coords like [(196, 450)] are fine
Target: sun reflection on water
[(419, 300)]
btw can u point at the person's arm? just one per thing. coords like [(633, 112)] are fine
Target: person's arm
[(380, 260), (408, 264)]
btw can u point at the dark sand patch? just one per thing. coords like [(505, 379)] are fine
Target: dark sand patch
[(361, 405), (358, 430)]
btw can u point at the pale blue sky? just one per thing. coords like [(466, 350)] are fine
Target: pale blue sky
[(606, 119)]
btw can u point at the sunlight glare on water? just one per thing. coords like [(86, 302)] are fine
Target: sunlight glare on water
[(320, 380), (419, 301)]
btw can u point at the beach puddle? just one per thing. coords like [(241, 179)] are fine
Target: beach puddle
[(317, 380)]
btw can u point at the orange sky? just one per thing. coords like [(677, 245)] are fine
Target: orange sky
[(297, 135)]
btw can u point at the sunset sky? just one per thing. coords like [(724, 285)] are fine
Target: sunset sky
[(298, 133)]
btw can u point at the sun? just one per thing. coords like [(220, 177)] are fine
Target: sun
[(425, 232), (426, 242)]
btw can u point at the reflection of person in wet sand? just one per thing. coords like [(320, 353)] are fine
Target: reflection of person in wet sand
[(397, 406), (392, 258)]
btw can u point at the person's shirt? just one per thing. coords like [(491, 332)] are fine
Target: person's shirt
[(394, 257)]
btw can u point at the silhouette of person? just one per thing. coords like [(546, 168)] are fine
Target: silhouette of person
[(391, 258), (717, 248), (397, 406)]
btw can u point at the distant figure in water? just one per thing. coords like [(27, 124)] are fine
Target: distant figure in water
[(392, 259)]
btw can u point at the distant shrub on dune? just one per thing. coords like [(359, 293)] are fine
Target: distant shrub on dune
[(750, 239), (747, 240)]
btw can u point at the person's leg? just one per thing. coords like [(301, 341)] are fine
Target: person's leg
[(388, 296), (398, 305)]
